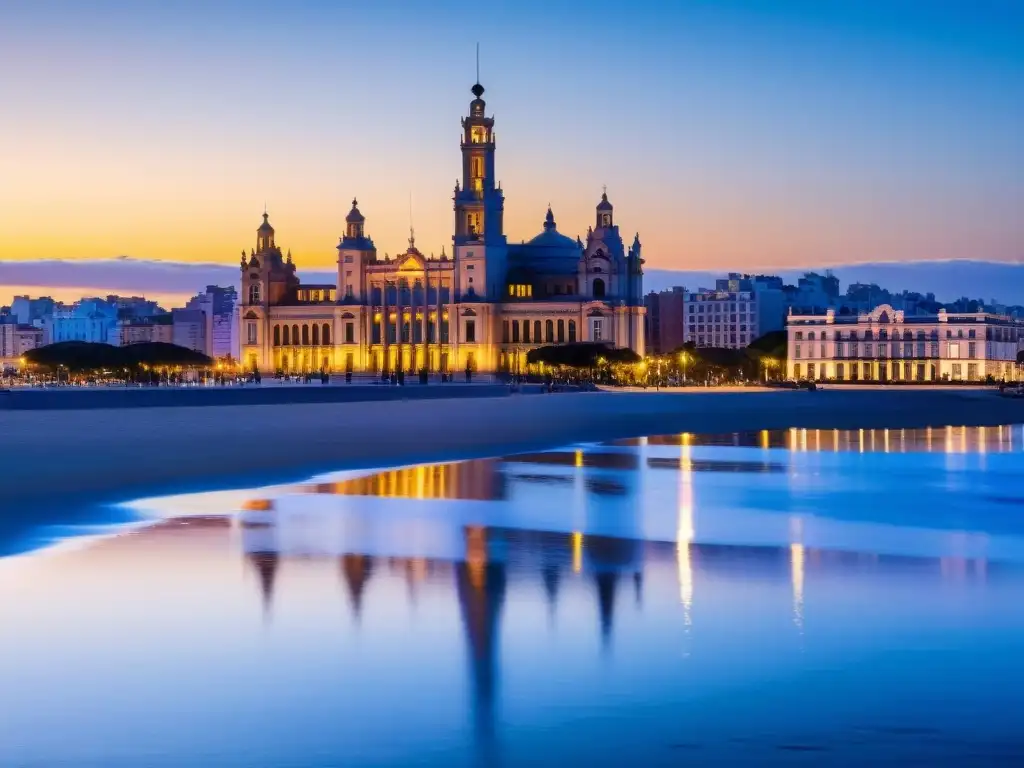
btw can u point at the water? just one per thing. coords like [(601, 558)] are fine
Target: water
[(773, 598)]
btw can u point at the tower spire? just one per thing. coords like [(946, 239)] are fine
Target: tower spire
[(412, 230), (478, 62)]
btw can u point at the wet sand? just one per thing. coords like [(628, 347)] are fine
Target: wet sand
[(54, 456)]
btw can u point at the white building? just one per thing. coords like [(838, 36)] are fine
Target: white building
[(91, 320), (884, 345), (721, 318)]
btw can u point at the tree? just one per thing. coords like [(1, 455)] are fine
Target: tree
[(581, 355), (81, 356)]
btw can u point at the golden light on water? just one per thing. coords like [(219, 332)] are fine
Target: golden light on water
[(577, 551)]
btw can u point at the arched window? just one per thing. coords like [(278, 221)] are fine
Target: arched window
[(316, 335), (277, 335), (325, 336), (536, 332), (810, 336), (254, 293), (598, 288), (572, 331), (526, 331), (305, 335), (549, 331), (295, 335), (504, 332), (286, 340), (561, 331), (515, 332)]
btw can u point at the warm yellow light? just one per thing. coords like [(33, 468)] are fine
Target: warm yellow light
[(577, 551), (579, 459)]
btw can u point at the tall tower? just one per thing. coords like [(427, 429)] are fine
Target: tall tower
[(480, 244), (355, 252)]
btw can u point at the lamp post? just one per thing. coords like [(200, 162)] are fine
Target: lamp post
[(682, 362)]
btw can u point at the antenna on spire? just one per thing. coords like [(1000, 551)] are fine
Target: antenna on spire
[(412, 231), (478, 62)]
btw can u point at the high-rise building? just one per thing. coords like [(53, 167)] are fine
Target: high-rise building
[(666, 330), (218, 304), (189, 329), (726, 319)]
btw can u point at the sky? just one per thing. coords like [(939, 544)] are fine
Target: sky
[(731, 134)]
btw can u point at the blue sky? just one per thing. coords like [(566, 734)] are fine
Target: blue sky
[(746, 135)]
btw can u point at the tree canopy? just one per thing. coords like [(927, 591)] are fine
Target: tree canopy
[(88, 356), (580, 355)]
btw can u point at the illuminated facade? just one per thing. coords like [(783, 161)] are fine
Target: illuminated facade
[(484, 307), (886, 345)]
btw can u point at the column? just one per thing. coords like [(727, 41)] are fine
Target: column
[(384, 325), (426, 318), (437, 328)]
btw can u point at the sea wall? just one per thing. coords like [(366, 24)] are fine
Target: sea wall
[(58, 455)]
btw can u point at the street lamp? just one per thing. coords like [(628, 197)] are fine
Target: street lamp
[(683, 360)]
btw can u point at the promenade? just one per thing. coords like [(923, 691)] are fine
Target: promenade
[(56, 455)]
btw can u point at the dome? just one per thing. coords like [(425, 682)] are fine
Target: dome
[(604, 205), (552, 238), (265, 226), (354, 216)]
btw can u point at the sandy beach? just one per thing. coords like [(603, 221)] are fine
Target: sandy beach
[(53, 456)]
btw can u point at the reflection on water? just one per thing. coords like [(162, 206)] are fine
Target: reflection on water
[(717, 600)]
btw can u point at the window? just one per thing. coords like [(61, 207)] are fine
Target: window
[(954, 350), (254, 293), (348, 259), (596, 331), (796, 371), (561, 331), (277, 335), (972, 371), (305, 335), (572, 331), (549, 331), (810, 370), (504, 332), (520, 291), (526, 331), (796, 352), (536, 331), (515, 332), (285, 340), (972, 349), (471, 331), (823, 353), (799, 336), (295, 335), (478, 135), (251, 332), (867, 350), (316, 335), (598, 288)]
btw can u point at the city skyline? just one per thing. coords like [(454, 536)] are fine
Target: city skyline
[(731, 135)]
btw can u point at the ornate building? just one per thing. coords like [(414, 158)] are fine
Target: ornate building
[(483, 307)]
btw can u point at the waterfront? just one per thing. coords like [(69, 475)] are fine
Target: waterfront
[(796, 596)]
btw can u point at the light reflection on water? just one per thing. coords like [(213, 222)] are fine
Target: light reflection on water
[(809, 596)]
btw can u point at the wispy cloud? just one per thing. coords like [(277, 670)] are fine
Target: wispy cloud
[(174, 280)]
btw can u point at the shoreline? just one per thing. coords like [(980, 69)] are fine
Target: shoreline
[(56, 456)]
